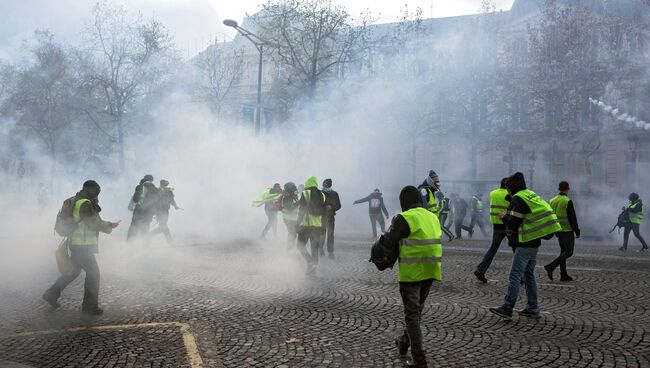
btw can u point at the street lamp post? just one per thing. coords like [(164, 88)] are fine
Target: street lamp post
[(259, 45)]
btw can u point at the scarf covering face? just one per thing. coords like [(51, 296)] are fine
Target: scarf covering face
[(328, 189)]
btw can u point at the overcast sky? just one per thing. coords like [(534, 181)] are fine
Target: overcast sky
[(193, 23)]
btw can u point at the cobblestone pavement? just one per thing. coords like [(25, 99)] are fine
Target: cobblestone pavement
[(252, 306)]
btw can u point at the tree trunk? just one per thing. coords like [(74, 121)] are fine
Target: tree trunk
[(120, 142)]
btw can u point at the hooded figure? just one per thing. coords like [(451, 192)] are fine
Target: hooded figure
[(414, 235), (83, 245), (310, 222), (528, 219), (375, 208)]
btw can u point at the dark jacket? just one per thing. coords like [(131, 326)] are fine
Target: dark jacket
[(332, 202), (145, 197), (166, 200), (637, 208), (460, 207), (375, 203), (512, 224)]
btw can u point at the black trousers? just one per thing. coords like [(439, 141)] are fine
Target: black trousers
[(567, 242), (477, 220), (140, 223), (414, 294), (162, 218), (83, 259), (635, 229), (374, 219), (328, 234), (313, 236), (458, 222), (497, 238)]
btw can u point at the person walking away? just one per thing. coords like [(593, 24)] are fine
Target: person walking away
[(476, 207), (165, 201), (563, 207), (415, 234), (270, 198), (499, 202), (635, 214), (145, 202), (332, 204), (375, 208), (529, 219), (290, 203), (460, 211), (310, 222), (83, 245), (442, 211)]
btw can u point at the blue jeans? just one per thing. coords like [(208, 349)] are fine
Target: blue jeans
[(523, 265)]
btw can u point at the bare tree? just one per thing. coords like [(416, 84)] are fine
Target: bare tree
[(42, 99), (130, 57), (313, 39), (218, 70)]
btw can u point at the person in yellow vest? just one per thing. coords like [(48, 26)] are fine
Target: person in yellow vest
[(290, 203), (310, 222), (499, 202), (476, 209), (270, 199), (442, 211), (528, 220), (563, 207), (428, 189), (415, 235), (83, 245), (634, 213)]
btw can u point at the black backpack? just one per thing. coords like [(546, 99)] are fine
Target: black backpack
[(382, 255), (65, 224), (316, 202)]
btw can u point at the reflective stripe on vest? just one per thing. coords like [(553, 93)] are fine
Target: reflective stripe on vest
[(559, 204), (82, 235), (636, 217), (420, 254), (498, 205), (310, 220), (443, 206), (540, 222)]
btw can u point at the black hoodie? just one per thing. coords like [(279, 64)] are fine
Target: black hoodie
[(375, 203)]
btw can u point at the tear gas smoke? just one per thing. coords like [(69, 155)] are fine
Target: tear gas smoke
[(623, 117)]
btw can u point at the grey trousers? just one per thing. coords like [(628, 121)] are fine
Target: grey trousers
[(414, 294), (83, 259)]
